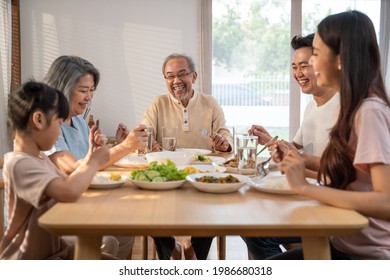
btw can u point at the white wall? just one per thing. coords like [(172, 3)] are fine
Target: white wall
[(126, 40)]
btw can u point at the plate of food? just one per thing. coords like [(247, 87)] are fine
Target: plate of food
[(217, 182), (108, 180), (200, 159), (135, 162), (159, 176), (231, 165), (274, 182), (198, 168), (195, 152)]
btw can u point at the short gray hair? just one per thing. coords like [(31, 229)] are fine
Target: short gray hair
[(189, 60), (66, 71)]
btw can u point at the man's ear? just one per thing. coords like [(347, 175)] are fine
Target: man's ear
[(39, 120), (194, 76)]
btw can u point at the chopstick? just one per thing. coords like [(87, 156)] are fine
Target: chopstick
[(272, 140), (86, 113)]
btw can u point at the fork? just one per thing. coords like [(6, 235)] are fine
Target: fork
[(272, 140), (262, 169)]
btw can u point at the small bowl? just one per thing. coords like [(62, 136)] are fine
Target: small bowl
[(179, 158)]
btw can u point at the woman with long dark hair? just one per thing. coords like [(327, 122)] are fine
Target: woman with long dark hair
[(355, 166)]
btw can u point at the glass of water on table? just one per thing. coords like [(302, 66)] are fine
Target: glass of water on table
[(169, 138), (246, 154)]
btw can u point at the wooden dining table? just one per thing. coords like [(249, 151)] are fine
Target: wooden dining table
[(129, 210)]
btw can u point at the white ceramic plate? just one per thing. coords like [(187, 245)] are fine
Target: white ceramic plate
[(158, 185), (103, 181), (179, 158), (216, 160), (138, 162), (217, 187), (196, 152), (274, 182), (204, 168)]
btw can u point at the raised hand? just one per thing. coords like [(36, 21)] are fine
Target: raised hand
[(261, 133), (121, 133)]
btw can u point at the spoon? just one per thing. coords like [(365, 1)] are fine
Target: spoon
[(262, 169)]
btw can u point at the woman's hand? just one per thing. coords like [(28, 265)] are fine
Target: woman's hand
[(121, 133), (293, 165), (261, 133), (96, 138)]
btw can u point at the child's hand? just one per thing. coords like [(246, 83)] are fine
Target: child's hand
[(136, 137), (101, 154)]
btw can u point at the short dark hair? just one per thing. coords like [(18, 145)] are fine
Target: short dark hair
[(298, 41)]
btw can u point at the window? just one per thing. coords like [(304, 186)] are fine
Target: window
[(251, 56)]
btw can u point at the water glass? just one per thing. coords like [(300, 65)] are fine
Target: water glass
[(246, 154), (237, 131), (169, 138), (149, 143)]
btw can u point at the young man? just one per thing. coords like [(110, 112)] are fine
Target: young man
[(312, 137)]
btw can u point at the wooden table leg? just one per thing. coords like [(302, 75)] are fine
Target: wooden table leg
[(88, 248), (316, 248), (221, 246)]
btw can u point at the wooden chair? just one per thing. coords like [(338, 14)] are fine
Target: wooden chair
[(221, 248)]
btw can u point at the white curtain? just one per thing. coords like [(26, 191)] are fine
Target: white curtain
[(5, 70), (384, 41)]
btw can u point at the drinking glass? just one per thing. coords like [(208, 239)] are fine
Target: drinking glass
[(148, 144), (246, 154), (237, 131), (169, 138)]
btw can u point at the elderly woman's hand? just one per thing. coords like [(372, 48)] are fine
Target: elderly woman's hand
[(97, 138), (121, 133), (220, 143)]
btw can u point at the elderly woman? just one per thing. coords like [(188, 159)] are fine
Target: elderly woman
[(77, 78)]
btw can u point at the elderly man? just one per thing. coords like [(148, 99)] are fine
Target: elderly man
[(187, 109), (190, 111)]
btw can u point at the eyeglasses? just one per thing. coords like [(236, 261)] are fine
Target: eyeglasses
[(179, 76)]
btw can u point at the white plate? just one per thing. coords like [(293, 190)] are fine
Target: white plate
[(103, 181), (204, 168), (216, 160), (195, 152), (132, 162), (217, 187), (158, 185), (274, 182)]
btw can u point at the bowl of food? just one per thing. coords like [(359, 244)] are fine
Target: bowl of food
[(179, 158), (157, 176), (217, 182)]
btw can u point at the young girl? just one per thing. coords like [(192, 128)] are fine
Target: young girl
[(355, 166), (32, 182)]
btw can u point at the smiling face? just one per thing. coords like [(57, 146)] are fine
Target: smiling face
[(326, 64), (178, 82), (82, 94), (303, 72)]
